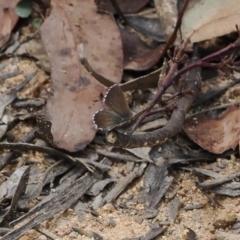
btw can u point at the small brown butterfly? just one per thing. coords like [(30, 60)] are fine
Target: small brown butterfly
[(117, 115)]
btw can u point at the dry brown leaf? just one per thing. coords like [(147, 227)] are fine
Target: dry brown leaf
[(205, 19), (138, 55), (147, 81), (8, 19), (215, 135), (167, 13), (76, 94), (126, 6)]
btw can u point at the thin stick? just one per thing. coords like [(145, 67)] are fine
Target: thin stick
[(48, 150)]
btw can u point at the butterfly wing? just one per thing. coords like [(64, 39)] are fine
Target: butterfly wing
[(106, 119), (116, 101)]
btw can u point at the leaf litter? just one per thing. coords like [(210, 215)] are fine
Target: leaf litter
[(166, 172)]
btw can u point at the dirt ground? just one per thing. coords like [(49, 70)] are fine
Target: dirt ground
[(116, 224)]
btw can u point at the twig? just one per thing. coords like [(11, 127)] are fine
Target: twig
[(88, 234), (25, 81), (7, 75), (95, 164), (218, 181), (48, 150), (174, 125), (122, 157), (204, 62), (215, 93), (167, 81), (48, 233), (114, 193), (213, 108), (174, 73), (172, 38), (28, 103)]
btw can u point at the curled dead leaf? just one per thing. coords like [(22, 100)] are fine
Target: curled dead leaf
[(215, 135)]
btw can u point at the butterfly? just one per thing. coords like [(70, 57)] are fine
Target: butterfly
[(117, 115)]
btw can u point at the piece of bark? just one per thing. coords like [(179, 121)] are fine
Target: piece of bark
[(219, 181), (156, 183), (172, 208), (12, 189), (120, 186), (46, 209), (120, 156), (99, 186), (231, 189), (7, 75)]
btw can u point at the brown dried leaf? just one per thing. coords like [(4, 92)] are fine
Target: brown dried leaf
[(8, 19), (126, 6), (147, 81), (149, 27), (215, 135), (167, 13), (137, 54), (76, 94), (205, 19)]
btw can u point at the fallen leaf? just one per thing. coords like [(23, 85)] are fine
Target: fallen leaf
[(147, 81), (8, 19), (167, 11), (149, 27), (76, 94), (215, 135), (126, 6), (205, 19), (138, 55)]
